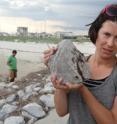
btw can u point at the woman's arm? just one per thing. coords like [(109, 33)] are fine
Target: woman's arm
[(62, 89), (101, 114), (60, 96), (61, 102)]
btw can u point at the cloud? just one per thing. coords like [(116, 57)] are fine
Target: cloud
[(10, 24), (74, 13), (52, 9)]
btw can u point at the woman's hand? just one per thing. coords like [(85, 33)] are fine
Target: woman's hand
[(58, 84), (48, 54)]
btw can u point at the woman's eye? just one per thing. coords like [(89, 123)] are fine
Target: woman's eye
[(107, 34)]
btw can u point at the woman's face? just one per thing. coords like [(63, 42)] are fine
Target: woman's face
[(106, 43)]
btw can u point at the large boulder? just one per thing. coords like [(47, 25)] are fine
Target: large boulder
[(69, 63)]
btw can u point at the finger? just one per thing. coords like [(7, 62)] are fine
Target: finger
[(68, 85), (60, 86), (53, 77), (46, 51), (46, 60), (46, 55), (60, 80), (73, 86), (54, 50), (58, 83), (50, 52)]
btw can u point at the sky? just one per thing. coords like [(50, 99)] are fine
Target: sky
[(49, 15)]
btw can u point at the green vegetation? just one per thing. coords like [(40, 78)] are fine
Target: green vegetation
[(81, 38), (30, 39), (51, 39)]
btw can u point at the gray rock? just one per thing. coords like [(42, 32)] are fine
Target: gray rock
[(37, 89), (26, 96), (1, 122), (3, 85), (31, 118), (69, 63), (6, 110), (48, 79), (12, 98), (2, 102), (10, 84), (27, 115), (29, 89), (48, 100), (35, 110), (14, 120), (48, 88), (20, 93), (31, 121), (15, 87)]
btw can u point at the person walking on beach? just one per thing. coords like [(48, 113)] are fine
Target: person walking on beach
[(95, 100), (12, 63)]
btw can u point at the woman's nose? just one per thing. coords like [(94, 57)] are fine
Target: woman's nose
[(110, 42)]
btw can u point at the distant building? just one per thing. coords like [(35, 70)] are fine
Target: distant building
[(22, 31), (65, 35), (4, 34)]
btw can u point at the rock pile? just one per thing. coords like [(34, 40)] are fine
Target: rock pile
[(27, 100)]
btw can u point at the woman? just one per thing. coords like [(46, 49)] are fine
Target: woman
[(95, 100)]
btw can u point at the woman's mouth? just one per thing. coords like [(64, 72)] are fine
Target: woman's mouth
[(107, 51)]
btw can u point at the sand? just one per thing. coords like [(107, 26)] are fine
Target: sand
[(53, 118)]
